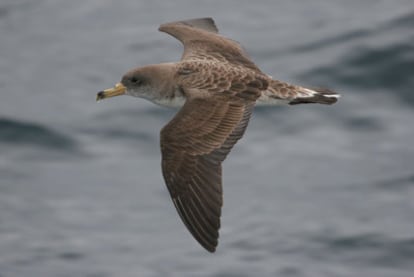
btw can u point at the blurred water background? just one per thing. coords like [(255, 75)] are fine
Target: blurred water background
[(309, 191)]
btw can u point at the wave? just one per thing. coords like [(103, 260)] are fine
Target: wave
[(378, 59), (370, 248), (15, 132)]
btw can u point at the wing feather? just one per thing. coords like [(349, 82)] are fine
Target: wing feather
[(201, 41), (192, 159)]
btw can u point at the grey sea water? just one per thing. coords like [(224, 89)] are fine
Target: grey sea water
[(309, 191)]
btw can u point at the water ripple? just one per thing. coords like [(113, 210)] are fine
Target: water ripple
[(369, 248), (387, 64), (27, 133)]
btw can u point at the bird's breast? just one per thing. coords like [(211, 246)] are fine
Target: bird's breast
[(172, 102)]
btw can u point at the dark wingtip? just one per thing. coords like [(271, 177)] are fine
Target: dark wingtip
[(212, 250), (209, 248), (209, 245)]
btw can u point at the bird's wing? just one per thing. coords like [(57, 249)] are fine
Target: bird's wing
[(193, 145), (201, 41)]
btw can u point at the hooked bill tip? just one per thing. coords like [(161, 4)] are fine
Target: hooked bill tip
[(100, 95)]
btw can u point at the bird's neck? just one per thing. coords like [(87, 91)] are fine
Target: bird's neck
[(165, 86), (165, 91)]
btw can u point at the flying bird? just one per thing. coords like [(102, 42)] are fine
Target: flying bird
[(217, 86)]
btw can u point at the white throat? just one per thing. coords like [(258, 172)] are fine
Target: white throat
[(176, 101)]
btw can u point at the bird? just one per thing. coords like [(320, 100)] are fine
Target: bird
[(216, 86)]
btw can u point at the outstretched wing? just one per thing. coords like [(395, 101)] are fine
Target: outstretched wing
[(201, 41), (193, 145)]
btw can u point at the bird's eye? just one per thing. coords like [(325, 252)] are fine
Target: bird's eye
[(135, 80)]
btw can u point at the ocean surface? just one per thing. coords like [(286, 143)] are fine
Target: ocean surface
[(310, 190)]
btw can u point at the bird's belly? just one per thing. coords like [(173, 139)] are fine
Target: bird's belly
[(178, 101)]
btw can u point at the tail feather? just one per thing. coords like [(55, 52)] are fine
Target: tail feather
[(283, 93), (319, 96)]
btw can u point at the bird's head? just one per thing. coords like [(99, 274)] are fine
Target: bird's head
[(136, 82)]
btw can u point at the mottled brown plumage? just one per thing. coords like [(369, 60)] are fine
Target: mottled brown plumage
[(217, 86), (193, 145)]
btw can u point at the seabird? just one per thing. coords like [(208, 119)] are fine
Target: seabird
[(217, 86)]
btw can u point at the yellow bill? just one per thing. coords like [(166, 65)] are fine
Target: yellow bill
[(118, 89)]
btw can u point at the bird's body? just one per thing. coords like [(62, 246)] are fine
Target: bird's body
[(217, 86)]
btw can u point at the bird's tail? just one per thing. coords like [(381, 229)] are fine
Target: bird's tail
[(319, 96), (283, 93)]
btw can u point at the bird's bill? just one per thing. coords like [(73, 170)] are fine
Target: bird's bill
[(118, 89)]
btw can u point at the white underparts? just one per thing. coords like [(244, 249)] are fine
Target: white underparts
[(175, 102), (178, 101), (266, 99)]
